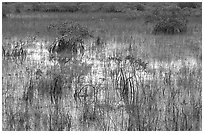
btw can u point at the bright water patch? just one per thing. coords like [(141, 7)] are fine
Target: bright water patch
[(174, 65), (100, 67), (39, 55), (100, 63)]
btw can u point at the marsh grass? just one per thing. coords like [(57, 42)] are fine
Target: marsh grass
[(67, 96), (161, 104)]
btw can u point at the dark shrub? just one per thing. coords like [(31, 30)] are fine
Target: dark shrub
[(71, 37), (51, 8), (188, 5), (140, 7), (169, 20), (3, 15), (67, 7), (18, 8), (170, 26), (72, 8)]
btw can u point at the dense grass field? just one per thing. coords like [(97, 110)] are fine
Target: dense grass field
[(125, 79)]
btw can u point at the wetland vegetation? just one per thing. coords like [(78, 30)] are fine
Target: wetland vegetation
[(101, 66)]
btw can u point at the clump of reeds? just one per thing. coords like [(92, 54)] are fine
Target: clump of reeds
[(51, 86), (159, 103), (16, 49)]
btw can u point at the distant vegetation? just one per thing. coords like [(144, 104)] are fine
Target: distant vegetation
[(170, 20), (167, 18), (10, 7)]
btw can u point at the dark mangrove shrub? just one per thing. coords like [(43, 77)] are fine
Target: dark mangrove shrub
[(188, 4), (18, 8), (71, 37), (68, 8), (168, 20), (51, 8), (140, 7), (170, 26)]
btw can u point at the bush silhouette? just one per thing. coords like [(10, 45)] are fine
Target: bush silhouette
[(169, 20), (71, 37), (140, 7), (188, 5), (170, 26)]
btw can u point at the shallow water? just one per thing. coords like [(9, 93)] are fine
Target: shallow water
[(99, 74), (38, 58)]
